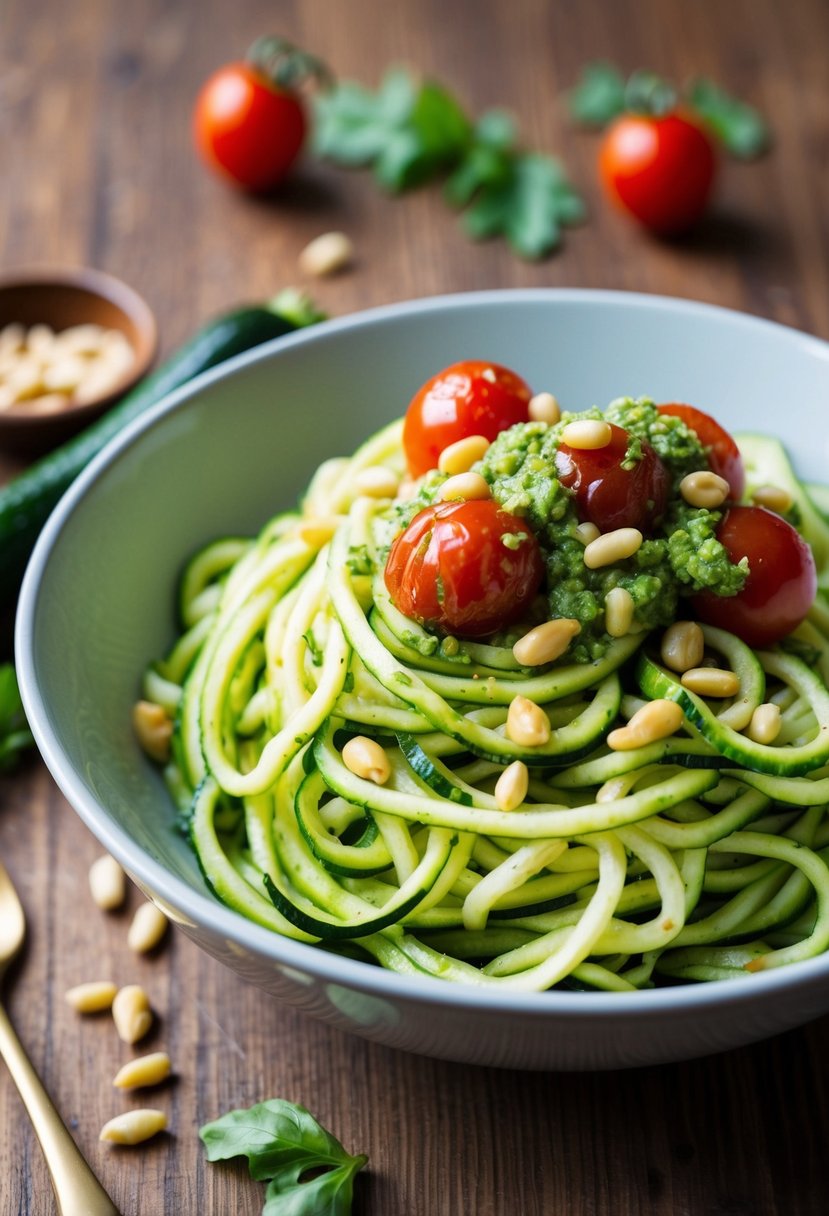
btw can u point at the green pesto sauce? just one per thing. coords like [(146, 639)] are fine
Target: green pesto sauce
[(681, 557)]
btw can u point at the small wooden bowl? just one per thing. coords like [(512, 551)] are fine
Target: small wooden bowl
[(62, 298)]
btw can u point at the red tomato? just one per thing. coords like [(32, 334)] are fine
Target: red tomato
[(659, 169), (722, 452), (248, 128), (781, 584), (610, 495), (450, 568), (471, 398)]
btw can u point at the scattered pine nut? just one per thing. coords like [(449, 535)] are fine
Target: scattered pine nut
[(376, 482), (618, 612), (464, 486), (704, 489), (134, 1126), (587, 434), (683, 646), (511, 786), (612, 547), (527, 723), (460, 456), (711, 682), (107, 883), (656, 720), (318, 532), (765, 723), (366, 758), (545, 642), (326, 254), (143, 1071), (131, 1013), (153, 729), (587, 532), (92, 997), (544, 407), (147, 929), (773, 498)]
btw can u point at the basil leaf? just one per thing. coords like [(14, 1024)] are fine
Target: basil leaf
[(599, 96), (739, 127), (15, 735), (282, 1142)]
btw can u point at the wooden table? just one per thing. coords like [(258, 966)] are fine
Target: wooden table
[(95, 105)]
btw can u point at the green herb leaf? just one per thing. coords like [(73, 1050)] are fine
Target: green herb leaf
[(599, 96), (739, 127), (283, 1142), (647, 93), (408, 132), (15, 735)]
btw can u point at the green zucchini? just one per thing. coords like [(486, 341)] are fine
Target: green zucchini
[(26, 502)]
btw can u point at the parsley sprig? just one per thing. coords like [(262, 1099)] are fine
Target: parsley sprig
[(307, 1170), (410, 132), (603, 93), (15, 735)]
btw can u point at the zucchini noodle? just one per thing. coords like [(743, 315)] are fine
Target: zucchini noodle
[(695, 857)]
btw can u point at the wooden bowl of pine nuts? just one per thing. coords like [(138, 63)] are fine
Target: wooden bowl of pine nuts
[(72, 341)]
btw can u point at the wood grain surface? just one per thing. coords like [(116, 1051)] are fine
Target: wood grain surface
[(97, 168)]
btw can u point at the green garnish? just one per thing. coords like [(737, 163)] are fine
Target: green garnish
[(15, 735), (286, 1147)]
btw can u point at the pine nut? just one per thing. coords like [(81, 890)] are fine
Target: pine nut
[(318, 532), (107, 883), (543, 407), (683, 645), (326, 254), (459, 457), (365, 758), (618, 612), (376, 482), (131, 1013), (134, 1126), (464, 486), (527, 724), (153, 729), (612, 547), (93, 997), (587, 532), (511, 787), (765, 723), (546, 642), (587, 434), (147, 929), (704, 489), (656, 720), (711, 682), (143, 1071), (773, 498)]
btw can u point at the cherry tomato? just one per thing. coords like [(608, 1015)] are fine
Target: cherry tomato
[(722, 452), (471, 398), (660, 169), (781, 584), (607, 493), (247, 127), (451, 569)]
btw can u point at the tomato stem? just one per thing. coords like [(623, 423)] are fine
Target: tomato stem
[(287, 66)]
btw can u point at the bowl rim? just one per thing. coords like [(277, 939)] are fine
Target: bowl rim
[(203, 910), (108, 287)]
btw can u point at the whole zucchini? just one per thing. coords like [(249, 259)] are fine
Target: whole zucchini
[(26, 502)]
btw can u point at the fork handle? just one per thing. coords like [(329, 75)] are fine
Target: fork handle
[(77, 1191)]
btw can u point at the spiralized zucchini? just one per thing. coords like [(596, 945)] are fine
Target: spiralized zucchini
[(696, 857)]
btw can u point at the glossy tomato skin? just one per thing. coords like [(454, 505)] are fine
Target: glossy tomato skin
[(659, 169), (781, 584), (247, 128), (722, 452), (450, 568), (474, 397), (609, 495)]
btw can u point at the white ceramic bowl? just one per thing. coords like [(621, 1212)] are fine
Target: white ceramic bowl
[(220, 457)]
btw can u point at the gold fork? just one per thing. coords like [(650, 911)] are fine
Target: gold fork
[(77, 1191)]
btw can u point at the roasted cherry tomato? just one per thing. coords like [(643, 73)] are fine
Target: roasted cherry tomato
[(467, 568), (471, 398), (722, 452), (781, 584), (250, 121), (609, 494), (660, 169)]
